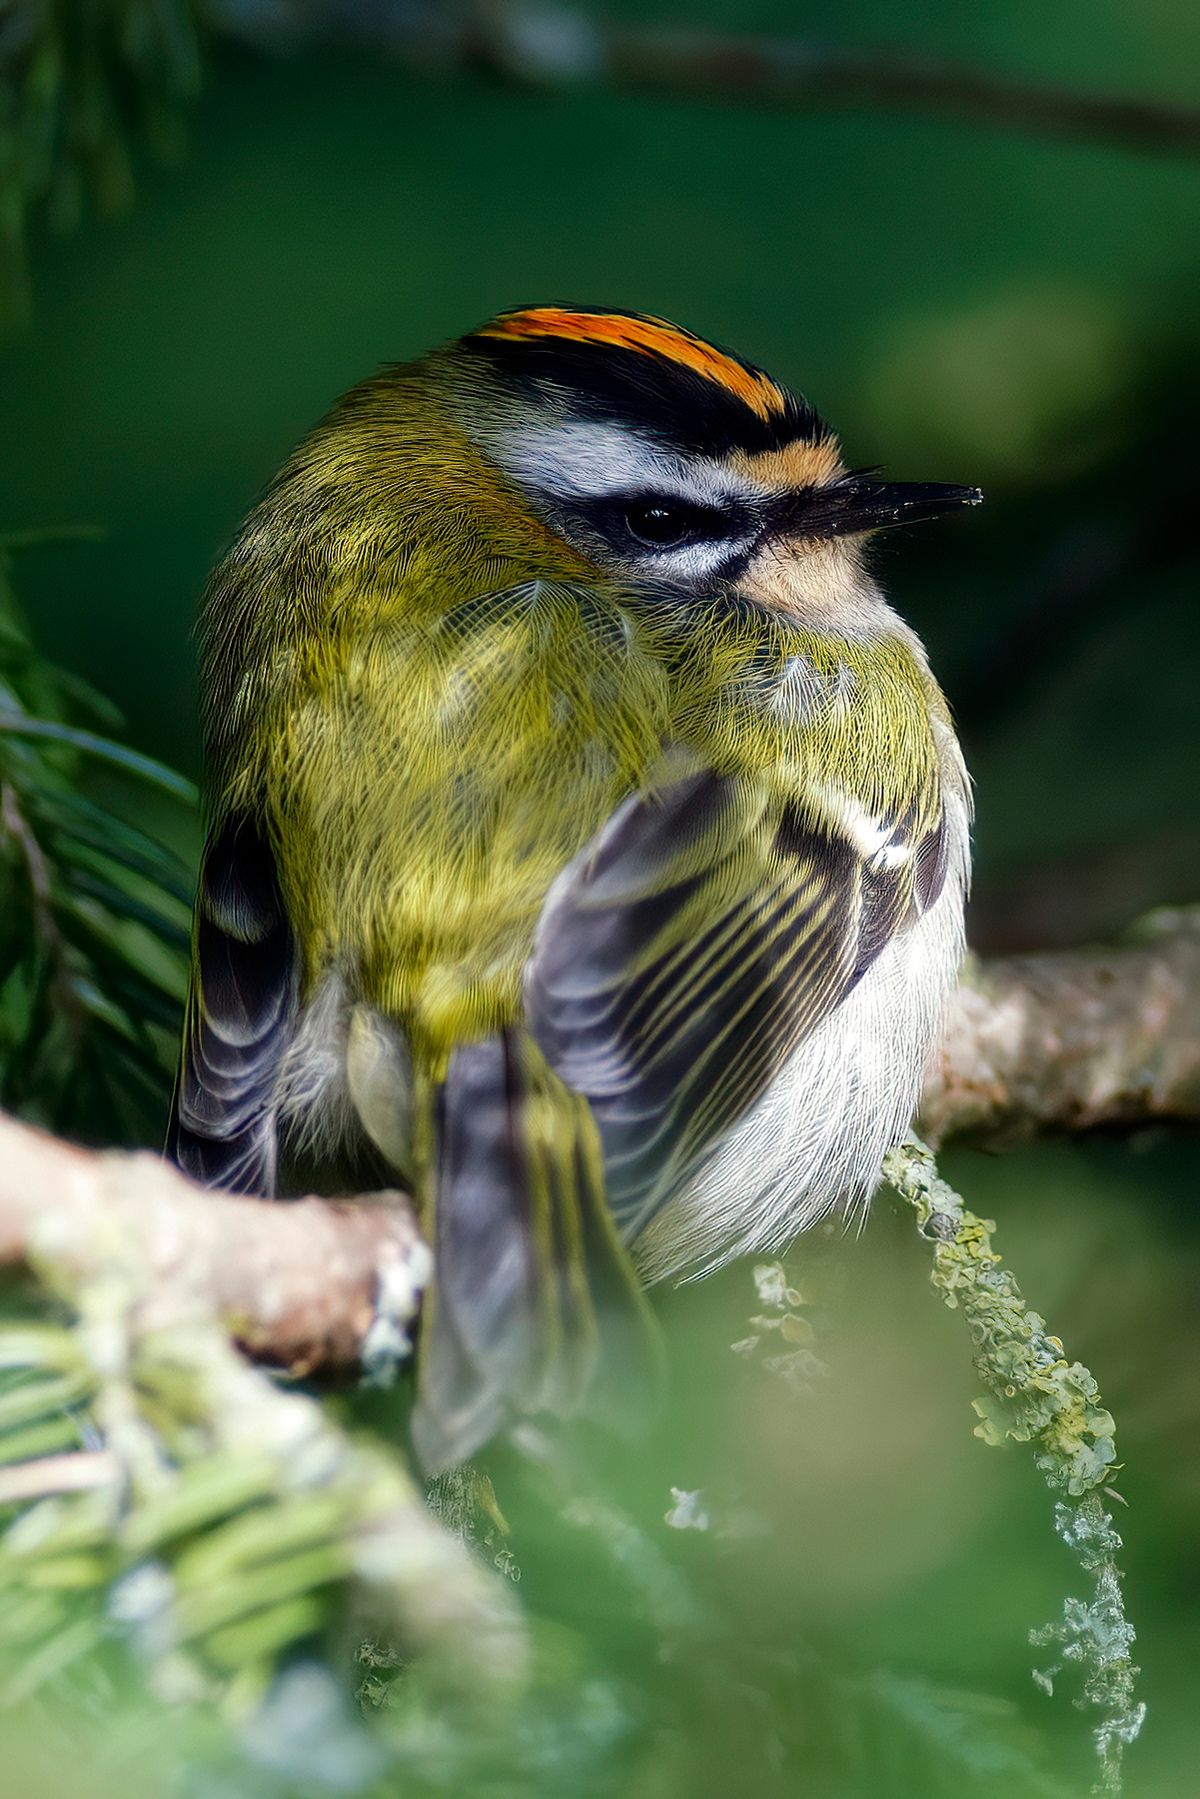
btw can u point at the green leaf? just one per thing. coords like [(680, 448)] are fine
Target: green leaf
[(95, 828), (124, 906), (145, 768)]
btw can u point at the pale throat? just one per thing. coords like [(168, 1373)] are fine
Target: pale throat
[(822, 585)]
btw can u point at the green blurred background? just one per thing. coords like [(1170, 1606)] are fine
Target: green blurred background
[(963, 303)]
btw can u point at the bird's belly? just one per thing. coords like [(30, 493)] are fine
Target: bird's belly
[(816, 1139)]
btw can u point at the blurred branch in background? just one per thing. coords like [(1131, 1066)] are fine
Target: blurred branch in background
[(80, 86), (1073, 1040), (561, 46)]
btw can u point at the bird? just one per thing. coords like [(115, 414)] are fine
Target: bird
[(587, 839)]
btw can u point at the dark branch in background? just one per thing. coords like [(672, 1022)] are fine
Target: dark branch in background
[(82, 88), (559, 47), (1038, 1042)]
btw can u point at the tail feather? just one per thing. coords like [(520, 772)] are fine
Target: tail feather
[(532, 1286)]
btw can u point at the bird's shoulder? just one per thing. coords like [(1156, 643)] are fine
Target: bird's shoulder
[(852, 730)]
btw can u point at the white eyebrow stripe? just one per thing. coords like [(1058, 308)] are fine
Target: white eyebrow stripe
[(573, 461)]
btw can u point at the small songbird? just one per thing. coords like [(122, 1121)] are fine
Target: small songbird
[(588, 837)]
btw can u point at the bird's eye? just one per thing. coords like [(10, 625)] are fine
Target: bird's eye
[(660, 522), (661, 526)]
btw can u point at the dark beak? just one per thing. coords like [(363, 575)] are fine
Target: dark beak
[(858, 503)]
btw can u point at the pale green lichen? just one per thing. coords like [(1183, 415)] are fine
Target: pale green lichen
[(1097, 1637), (687, 1510), (1035, 1395)]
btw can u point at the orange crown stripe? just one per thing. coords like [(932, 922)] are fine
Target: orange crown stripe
[(651, 337)]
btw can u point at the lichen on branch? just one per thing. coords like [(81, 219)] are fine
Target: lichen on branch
[(1033, 1394)]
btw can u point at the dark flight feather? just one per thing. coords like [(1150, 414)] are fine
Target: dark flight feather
[(240, 1011), (530, 1273)]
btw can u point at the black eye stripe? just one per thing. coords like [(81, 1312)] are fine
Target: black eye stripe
[(662, 522), (648, 522)]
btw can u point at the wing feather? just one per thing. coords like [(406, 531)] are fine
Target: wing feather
[(682, 957), (240, 1013)]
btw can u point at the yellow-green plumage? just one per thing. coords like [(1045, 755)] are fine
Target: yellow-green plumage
[(438, 722), (423, 705), (431, 755)]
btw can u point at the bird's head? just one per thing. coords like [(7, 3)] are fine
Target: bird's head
[(660, 457)]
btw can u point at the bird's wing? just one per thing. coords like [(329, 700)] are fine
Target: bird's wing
[(684, 954), (240, 1011)]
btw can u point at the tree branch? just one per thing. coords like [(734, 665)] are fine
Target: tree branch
[(557, 46), (779, 72), (1058, 1041), (302, 1284), (1074, 1039)]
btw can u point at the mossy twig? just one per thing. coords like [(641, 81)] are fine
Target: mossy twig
[(1035, 1395)]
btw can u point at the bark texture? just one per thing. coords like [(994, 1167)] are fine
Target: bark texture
[(301, 1284), (1073, 1040)]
